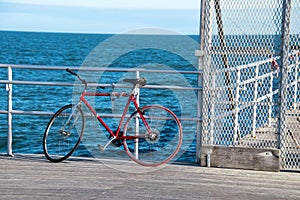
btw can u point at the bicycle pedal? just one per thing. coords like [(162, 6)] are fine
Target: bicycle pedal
[(101, 147)]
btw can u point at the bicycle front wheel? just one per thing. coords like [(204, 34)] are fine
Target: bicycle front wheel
[(158, 134), (63, 133)]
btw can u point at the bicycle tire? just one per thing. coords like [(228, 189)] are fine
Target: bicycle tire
[(59, 143), (163, 143)]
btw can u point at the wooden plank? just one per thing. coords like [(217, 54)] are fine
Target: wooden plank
[(240, 158), (33, 177)]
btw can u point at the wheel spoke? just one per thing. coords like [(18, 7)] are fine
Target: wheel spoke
[(161, 144)]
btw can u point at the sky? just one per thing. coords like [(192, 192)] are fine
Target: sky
[(99, 16)]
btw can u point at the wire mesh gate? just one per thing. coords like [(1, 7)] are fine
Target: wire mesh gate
[(249, 53)]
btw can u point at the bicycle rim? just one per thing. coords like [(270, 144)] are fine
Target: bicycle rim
[(158, 143), (63, 133)]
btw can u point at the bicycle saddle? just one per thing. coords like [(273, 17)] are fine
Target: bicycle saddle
[(140, 81)]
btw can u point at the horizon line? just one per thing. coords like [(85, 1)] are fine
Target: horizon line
[(91, 33)]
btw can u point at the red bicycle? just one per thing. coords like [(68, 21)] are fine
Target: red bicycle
[(151, 136)]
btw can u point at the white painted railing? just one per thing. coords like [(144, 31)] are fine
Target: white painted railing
[(10, 82), (238, 85)]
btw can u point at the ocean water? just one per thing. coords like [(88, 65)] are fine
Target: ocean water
[(66, 49), (169, 52)]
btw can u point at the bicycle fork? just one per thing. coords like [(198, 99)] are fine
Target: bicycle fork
[(68, 132)]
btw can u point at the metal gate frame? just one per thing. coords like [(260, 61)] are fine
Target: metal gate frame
[(242, 104)]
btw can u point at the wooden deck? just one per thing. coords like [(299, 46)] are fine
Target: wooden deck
[(33, 177)]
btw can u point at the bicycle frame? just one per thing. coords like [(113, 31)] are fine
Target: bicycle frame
[(115, 135), (149, 145)]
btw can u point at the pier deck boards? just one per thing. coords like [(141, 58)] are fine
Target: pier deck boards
[(33, 177)]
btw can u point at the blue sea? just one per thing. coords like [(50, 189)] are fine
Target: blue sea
[(67, 49), (166, 52)]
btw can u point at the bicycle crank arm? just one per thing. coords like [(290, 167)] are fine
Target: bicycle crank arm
[(102, 148)]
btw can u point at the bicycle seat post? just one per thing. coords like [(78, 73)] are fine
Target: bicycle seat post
[(135, 90)]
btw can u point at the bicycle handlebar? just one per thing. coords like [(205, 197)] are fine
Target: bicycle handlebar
[(70, 71), (75, 74), (140, 82)]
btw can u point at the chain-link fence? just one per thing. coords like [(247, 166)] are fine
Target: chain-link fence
[(251, 83)]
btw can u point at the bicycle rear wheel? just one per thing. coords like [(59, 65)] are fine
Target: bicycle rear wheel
[(159, 139), (63, 133)]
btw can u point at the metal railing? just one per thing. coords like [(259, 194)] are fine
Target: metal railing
[(266, 99), (10, 82)]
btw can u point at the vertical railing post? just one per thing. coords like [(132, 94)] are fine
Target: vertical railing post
[(199, 112), (136, 144), (271, 100), (213, 96), (208, 71), (201, 66), (9, 111), (296, 82), (285, 37), (237, 109), (255, 101)]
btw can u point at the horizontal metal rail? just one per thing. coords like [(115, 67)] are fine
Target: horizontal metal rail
[(39, 67), (104, 115), (98, 69), (97, 85), (248, 81), (254, 64)]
